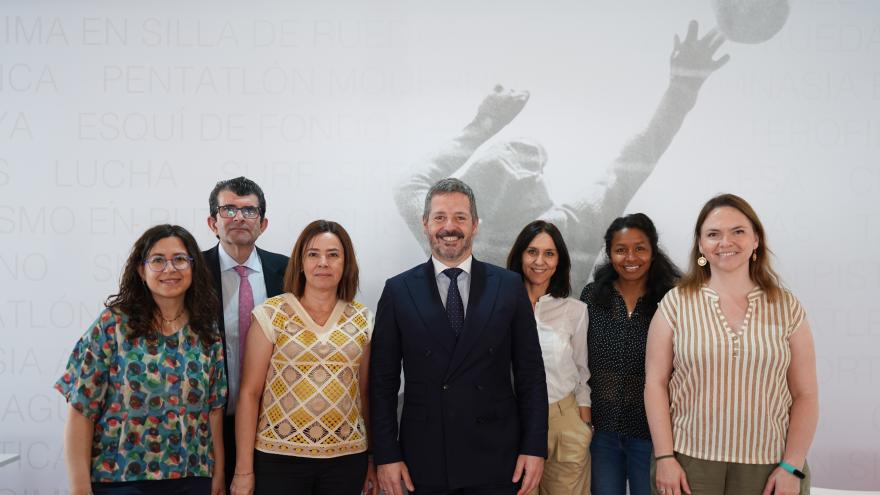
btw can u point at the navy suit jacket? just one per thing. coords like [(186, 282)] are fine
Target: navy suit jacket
[(273, 275), (465, 417)]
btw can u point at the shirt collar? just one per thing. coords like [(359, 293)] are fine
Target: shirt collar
[(755, 293), (545, 299), (464, 265), (227, 263)]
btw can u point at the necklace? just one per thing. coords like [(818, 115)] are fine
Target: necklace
[(169, 324), (172, 320)]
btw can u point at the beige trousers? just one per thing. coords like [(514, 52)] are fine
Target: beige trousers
[(567, 470)]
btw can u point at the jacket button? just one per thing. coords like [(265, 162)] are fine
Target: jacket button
[(445, 387), (481, 388), (491, 350), (427, 352)]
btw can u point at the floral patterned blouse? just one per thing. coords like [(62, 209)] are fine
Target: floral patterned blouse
[(149, 399)]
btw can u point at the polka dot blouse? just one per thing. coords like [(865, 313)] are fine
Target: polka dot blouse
[(616, 343)]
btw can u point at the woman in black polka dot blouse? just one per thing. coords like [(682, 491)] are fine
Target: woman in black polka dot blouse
[(621, 301)]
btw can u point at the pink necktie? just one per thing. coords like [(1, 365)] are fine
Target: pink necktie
[(245, 306)]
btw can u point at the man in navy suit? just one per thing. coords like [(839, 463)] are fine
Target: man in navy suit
[(459, 327), (241, 272)]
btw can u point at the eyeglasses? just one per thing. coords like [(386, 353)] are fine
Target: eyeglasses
[(159, 263), (229, 211)]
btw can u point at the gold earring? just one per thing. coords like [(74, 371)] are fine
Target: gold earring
[(702, 260), (755, 255)]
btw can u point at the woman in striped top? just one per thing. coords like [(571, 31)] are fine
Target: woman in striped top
[(730, 391)]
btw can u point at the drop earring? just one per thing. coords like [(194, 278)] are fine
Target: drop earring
[(755, 255), (702, 260)]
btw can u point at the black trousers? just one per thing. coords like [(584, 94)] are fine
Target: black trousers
[(182, 486), (342, 475)]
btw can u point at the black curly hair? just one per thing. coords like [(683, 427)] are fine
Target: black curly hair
[(662, 275)]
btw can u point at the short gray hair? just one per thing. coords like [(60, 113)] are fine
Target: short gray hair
[(446, 186)]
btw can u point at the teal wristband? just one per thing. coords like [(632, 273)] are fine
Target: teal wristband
[(791, 469)]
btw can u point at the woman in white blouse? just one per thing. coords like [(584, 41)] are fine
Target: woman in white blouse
[(539, 255)]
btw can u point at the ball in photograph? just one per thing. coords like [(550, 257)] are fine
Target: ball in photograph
[(750, 21)]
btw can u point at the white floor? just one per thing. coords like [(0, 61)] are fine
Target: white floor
[(830, 491)]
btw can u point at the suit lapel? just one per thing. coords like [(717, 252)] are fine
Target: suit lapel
[(481, 300), (273, 276), (422, 285)]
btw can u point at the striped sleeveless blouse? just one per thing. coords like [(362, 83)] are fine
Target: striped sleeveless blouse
[(729, 397)]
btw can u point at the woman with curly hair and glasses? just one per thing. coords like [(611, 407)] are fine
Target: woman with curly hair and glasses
[(146, 382)]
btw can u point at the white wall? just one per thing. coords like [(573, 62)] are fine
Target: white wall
[(114, 117)]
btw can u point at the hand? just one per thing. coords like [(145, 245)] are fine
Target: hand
[(218, 484), (533, 467), (781, 482), (670, 478), (586, 414), (499, 108), (242, 484), (390, 476), (692, 58), (371, 482)]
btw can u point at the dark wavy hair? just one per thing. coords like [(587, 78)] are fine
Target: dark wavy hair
[(295, 278), (662, 275), (760, 271), (135, 300), (560, 282)]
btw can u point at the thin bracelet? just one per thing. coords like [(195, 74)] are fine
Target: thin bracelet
[(657, 458), (243, 474)]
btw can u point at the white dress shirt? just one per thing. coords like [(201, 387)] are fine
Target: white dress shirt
[(464, 280), (229, 281), (562, 332)]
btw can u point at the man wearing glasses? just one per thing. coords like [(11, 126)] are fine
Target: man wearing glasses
[(244, 275)]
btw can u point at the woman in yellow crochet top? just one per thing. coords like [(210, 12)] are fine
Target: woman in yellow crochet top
[(301, 422)]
